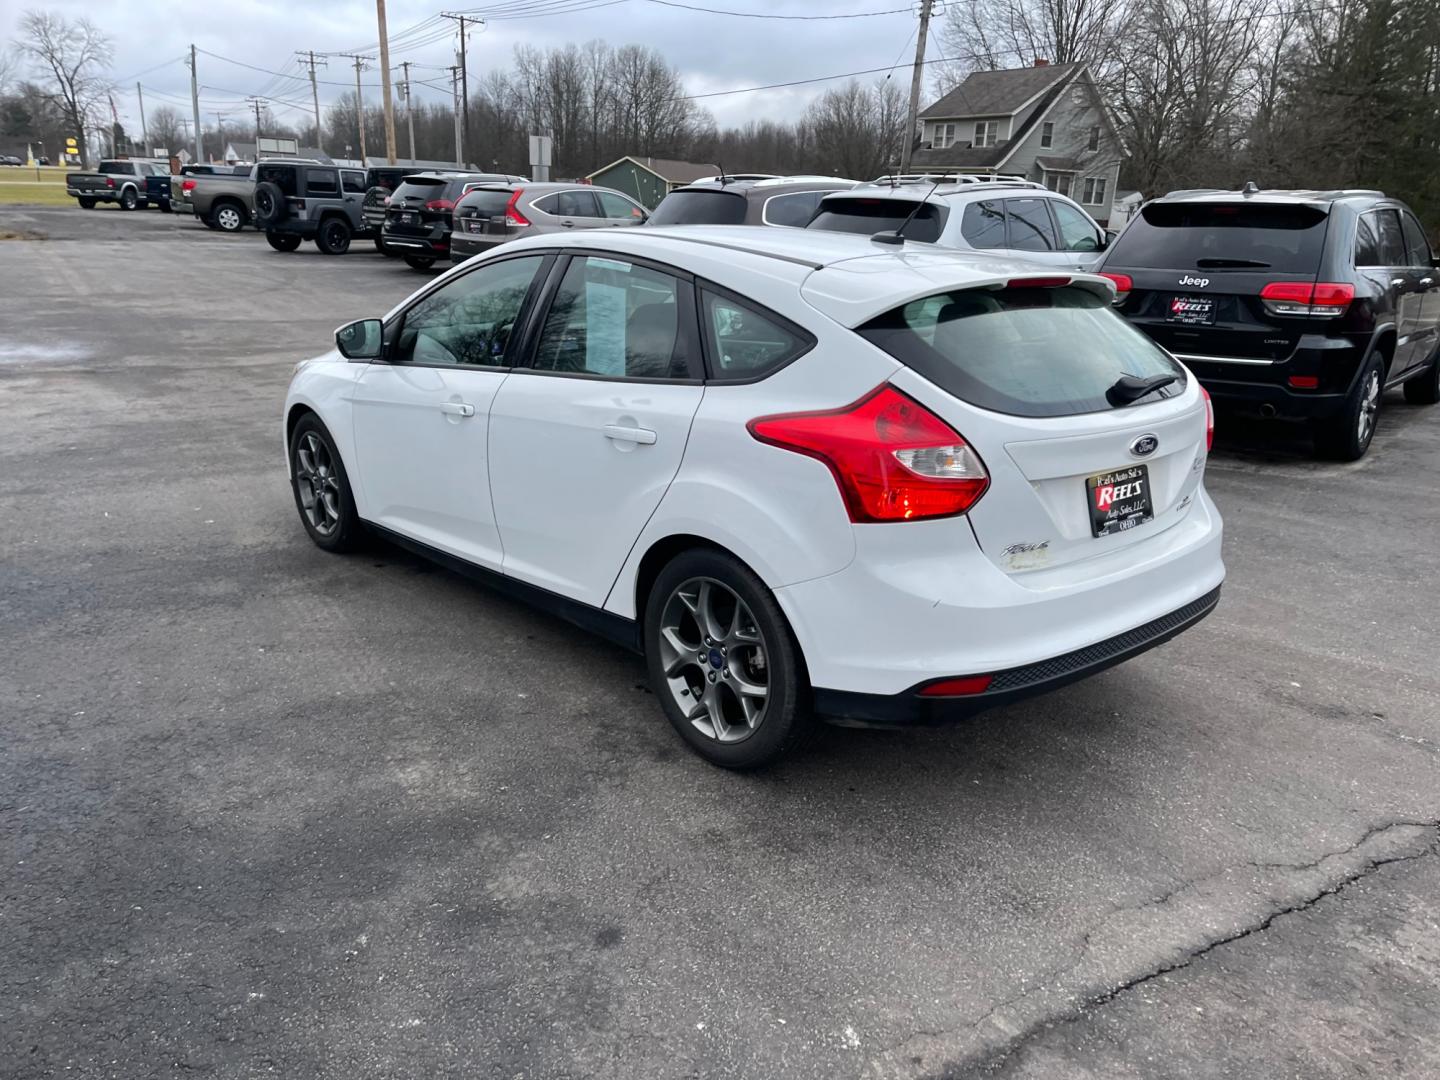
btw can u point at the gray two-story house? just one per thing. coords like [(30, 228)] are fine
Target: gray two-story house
[(1047, 123)]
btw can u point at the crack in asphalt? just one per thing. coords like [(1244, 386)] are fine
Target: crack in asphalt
[(989, 1060)]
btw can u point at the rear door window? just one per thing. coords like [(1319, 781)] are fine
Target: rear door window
[(322, 182), (983, 225), (1392, 238), (867, 216), (718, 207), (1284, 237), (353, 181), (1025, 352), (1367, 241)]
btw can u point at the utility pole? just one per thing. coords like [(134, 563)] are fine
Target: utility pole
[(409, 108), (220, 127), (459, 139), (385, 84), (144, 132), (255, 101), (464, 68), (359, 102), (910, 118), (195, 104), (315, 93)]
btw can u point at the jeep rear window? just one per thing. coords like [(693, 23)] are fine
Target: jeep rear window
[(867, 216), (1287, 238), (1025, 352), (718, 207)]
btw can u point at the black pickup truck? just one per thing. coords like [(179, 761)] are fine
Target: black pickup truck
[(132, 184)]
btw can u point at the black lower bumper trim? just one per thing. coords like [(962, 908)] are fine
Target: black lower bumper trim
[(909, 708)]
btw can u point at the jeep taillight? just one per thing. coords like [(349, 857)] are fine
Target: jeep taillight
[(513, 216), (892, 458), (1307, 299)]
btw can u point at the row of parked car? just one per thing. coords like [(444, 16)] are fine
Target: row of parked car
[(1299, 304)]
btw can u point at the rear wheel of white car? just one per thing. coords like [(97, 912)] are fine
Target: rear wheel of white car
[(724, 663), (322, 490)]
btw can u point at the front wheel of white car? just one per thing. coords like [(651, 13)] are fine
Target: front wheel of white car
[(724, 663), (322, 490)]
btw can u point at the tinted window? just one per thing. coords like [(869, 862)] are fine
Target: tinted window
[(746, 343), (353, 181), (1030, 226), (616, 206), (423, 188), (983, 225), (322, 182), (1027, 352), (570, 204), (1417, 248), (856, 214), (1180, 236), (791, 211), (468, 321), (611, 317), (718, 207), (1392, 238), (487, 204), (117, 168), (1367, 241), (1077, 232)]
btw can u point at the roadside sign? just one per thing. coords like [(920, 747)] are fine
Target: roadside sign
[(159, 151), (277, 146), (540, 150)]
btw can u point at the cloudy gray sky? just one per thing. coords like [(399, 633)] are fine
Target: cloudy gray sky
[(714, 52)]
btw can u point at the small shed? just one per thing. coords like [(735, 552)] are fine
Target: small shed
[(648, 180)]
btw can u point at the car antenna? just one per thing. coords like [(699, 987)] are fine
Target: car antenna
[(898, 236), (722, 178)]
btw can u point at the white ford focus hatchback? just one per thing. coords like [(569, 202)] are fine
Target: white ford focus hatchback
[(805, 474)]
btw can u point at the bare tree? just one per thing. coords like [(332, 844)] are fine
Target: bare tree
[(74, 55), (856, 130), (986, 35), (164, 127)]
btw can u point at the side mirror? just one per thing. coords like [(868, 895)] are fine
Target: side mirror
[(362, 339)]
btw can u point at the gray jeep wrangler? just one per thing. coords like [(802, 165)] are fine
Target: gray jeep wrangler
[(296, 201)]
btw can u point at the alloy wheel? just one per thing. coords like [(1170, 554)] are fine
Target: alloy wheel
[(317, 484), (229, 218), (1369, 406), (714, 657)]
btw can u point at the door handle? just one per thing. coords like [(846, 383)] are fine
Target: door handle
[(644, 436), (567, 224), (457, 408)]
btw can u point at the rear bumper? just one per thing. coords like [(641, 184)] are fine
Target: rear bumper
[(1263, 385), (464, 245), (910, 708)]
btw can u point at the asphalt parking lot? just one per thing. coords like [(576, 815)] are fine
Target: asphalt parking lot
[(267, 811)]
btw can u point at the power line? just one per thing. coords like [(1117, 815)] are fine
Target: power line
[(766, 15)]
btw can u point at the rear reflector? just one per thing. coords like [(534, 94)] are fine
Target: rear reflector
[(1209, 420), (1307, 299), (1305, 382), (1123, 284), (892, 458), (961, 687)]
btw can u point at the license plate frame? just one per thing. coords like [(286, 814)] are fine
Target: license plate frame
[(1188, 310), (1112, 513)]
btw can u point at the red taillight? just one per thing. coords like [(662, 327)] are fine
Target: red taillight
[(1308, 299), (1305, 382), (440, 204), (109, 181), (1037, 282), (1209, 420), (187, 186), (892, 458), (962, 687), (1123, 284), (513, 216)]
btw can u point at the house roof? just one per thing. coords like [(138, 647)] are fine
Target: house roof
[(675, 172), (246, 151), (1058, 164), (999, 93), (956, 158), (380, 161)]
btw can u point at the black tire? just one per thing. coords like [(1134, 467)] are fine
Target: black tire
[(86, 203), (1424, 389), (1344, 437), (128, 199), (345, 530), (334, 236), (270, 205), (419, 262), (226, 216), (282, 241), (785, 723), (382, 249)]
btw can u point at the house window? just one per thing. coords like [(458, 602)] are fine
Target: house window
[(943, 137), (1062, 182), (1047, 135), (1094, 143), (1094, 193), (986, 132)]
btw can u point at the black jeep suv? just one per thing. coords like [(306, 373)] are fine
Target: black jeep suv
[(1302, 304)]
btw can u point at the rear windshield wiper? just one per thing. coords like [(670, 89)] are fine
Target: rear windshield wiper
[(1218, 263), (1129, 389)]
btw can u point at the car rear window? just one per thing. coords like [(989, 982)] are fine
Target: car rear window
[(421, 187), (1021, 351), (1262, 236), (484, 203), (718, 207), (867, 216), (117, 168)]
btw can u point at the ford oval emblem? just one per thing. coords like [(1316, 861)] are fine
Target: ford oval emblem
[(1145, 445)]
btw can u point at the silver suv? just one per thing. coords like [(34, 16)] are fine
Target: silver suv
[(1016, 218), (491, 214)]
